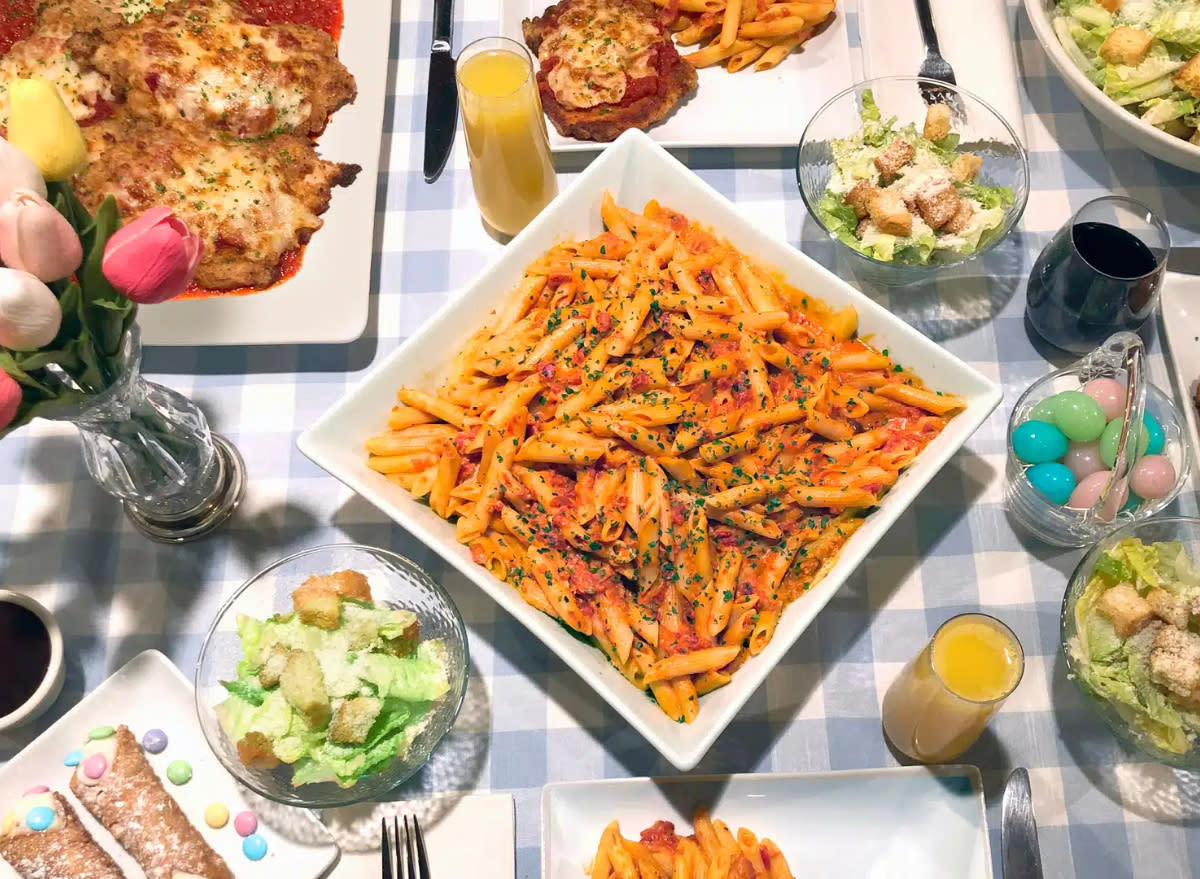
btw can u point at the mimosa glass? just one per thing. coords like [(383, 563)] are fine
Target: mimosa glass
[(505, 131), (943, 699)]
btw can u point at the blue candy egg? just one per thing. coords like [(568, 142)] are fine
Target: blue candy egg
[(1037, 442), (1158, 438), (39, 817), (254, 847), (1053, 481), (74, 758)]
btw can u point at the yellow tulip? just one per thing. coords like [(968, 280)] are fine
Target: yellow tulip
[(41, 126)]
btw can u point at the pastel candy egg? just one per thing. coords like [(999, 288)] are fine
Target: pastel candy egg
[(1158, 437), (39, 817), (245, 823), (1109, 393), (1088, 490), (179, 772), (95, 766), (254, 847), (74, 758), (1045, 410), (1083, 459), (1111, 438), (1053, 481), (1036, 442), (8, 823), (216, 816), (101, 732), (154, 741), (1079, 416), (1153, 477)]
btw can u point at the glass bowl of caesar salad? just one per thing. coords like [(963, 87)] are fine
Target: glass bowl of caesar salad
[(1129, 632), (911, 175), (330, 677)]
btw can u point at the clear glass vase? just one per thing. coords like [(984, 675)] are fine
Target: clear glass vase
[(152, 448)]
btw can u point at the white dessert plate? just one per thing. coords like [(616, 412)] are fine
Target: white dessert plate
[(896, 823), (1180, 307), (150, 692), (328, 299), (747, 108), (635, 170)]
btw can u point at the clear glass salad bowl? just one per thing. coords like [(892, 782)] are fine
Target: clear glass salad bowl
[(982, 132), (1166, 529), (396, 583)]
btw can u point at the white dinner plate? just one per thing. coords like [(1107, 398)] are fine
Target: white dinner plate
[(899, 823), (745, 109), (1180, 306), (635, 170), (328, 299), (149, 692)]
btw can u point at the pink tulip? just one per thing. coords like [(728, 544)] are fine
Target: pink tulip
[(10, 399), (152, 259), (36, 238)]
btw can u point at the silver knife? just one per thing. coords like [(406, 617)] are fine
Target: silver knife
[(1185, 260), (1018, 830), (441, 103)]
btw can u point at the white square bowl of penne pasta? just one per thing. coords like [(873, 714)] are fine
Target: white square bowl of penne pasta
[(659, 428), (900, 822)]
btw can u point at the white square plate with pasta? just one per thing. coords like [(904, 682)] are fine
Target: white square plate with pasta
[(749, 108), (592, 440), (896, 823)]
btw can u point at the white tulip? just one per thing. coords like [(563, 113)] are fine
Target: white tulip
[(17, 171), (29, 312)]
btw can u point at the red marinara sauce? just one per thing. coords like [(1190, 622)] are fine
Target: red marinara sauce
[(324, 14), (289, 264), (17, 18)]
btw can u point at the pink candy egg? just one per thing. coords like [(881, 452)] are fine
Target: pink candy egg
[(1089, 489), (1153, 477), (1109, 393), (1083, 459), (95, 766), (245, 823)]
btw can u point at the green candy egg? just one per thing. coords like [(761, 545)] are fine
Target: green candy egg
[(179, 772), (1078, 416), (1112, 436), (1045, 410)]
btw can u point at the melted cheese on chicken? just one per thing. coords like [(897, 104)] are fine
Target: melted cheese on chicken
[(599, 46), (43, 54)]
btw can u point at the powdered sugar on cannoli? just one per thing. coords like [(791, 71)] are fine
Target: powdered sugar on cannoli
[(121, 789), (42, 838)]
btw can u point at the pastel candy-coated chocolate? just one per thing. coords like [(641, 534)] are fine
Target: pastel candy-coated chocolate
[(245, 823), (39, 817), (254, 847)]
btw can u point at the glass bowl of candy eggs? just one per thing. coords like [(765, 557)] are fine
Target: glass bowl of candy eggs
[(1074, 472)]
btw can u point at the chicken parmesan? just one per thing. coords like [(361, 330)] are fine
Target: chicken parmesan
[(606, 66), (202, 106)]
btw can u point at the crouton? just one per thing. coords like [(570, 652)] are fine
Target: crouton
[(348, 584), (405, 641), (269, 674), (858, 197), (1110, 5), (1175, 661), (303, 685), (937, 122), (1125, 609), (961, 219), (938, 203), (318, 606), (898, 154), (1190, 702), (1188, 77), (889, 213), (353, 720), (254, 750), (1126, 45), (965, 167), (1168, 608)]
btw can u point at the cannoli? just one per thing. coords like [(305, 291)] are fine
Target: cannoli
[(43, 838), (118, 786)]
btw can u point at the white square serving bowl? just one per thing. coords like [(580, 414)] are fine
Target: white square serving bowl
[(635, 170)]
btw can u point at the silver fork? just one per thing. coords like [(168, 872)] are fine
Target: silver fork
[(404, 851), (934, 66)]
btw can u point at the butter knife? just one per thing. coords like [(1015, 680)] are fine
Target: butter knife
[(1018, 829), (441, 102)]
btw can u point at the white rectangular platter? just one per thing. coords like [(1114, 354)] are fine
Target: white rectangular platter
[(1181, 322), (747, 108), (635, 170), (897, 823), (328, 299), (149, 692)]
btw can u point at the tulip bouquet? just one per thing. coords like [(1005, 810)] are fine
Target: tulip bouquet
[(70, 286), (70, 282)]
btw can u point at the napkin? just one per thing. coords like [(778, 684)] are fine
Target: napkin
[(474, 837), (974, 37)]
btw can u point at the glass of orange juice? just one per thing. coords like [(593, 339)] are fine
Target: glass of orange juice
[(944, 697), (506, 133)]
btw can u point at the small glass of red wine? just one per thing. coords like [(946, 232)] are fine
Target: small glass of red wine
[(1101, 273)]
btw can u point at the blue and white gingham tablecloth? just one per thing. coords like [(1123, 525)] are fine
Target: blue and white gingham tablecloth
[(1102, 812)]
